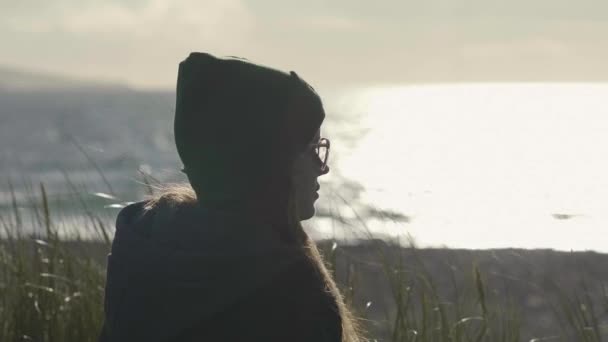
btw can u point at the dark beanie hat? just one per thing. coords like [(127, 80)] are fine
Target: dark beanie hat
[(239, 126)]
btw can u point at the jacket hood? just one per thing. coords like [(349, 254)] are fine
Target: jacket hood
[(239, 125), (171, 268)]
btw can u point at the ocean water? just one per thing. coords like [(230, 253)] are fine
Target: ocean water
[(487, 165), (457, 165)]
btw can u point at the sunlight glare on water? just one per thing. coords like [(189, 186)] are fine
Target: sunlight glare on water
[(487, 165)]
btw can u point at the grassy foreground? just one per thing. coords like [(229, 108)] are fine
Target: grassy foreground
[(51, 289)]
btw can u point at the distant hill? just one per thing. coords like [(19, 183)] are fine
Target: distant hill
[(26, 80)]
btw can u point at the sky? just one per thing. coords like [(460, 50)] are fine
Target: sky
[(141, 42)]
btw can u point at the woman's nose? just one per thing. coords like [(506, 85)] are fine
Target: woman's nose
[(325, 171)]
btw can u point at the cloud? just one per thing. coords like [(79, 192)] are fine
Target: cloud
[(137, 43), (524, 48), (323, 23), (204, 19)]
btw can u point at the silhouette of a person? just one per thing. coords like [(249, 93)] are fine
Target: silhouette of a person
[(225, 258)]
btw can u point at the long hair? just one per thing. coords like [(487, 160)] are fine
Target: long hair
[(173, 196), (351, 330)]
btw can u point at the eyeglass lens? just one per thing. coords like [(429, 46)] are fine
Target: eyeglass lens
[(323, 151)]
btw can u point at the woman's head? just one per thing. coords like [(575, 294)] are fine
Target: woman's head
[(241, 129)]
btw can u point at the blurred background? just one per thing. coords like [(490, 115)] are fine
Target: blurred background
[(470, 124)]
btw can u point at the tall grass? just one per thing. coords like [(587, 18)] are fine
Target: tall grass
[(51, 287)]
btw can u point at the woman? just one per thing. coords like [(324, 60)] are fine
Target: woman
[(226, 258)]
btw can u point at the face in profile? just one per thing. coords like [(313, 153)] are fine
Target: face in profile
[(307, 168)]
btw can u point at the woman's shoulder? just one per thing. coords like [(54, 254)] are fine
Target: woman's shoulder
[(298, 303), (302, 273), (302, 288)]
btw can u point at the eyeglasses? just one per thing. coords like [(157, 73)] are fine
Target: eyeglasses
[(322, 150)]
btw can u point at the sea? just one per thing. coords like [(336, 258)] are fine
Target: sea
[(477, 166)]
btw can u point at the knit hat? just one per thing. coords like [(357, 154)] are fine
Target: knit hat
[(239, 125)]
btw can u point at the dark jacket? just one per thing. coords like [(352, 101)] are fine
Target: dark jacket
[(201, 275)]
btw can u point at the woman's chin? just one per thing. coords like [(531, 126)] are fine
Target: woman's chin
[(307, 214)]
